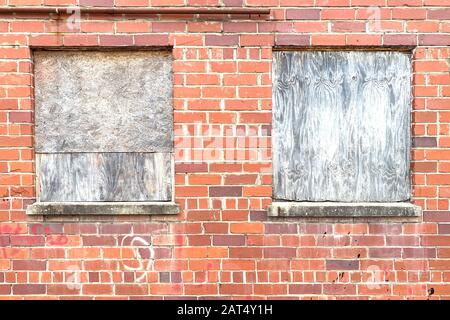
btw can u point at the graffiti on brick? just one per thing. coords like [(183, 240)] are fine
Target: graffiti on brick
[(144, 254), (72, 277)]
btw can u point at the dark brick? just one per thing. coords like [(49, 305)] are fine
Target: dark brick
[(341, 289), (436, 216), (99, 241), (424, 142), (116, 40), (149, 228), (305, 289), (45, 228), (5, 288), (233, 3), (221, 40), (242, 252), (400, 39), (175, 277), (292, 40), (191, 167), (27, 240), (29, 265), (281, 228), (385, 228), (29, 289), (229, 240), (260, 215), (444, 228), (20, 116), (115, 228), (315, 228), (280, 252), (80, 228), (434, 40), (225, 191), (4, 241), (95, 276), (164, 277), (240, 27), (439, 14), (385, 252), (342, 264), (303, 14), (151, 40), (419, 253), (160, 253), (97, 3)]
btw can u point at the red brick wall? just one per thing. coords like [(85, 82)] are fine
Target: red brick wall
[(223, 243)]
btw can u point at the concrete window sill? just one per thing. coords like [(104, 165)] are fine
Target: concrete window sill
[(103, 208), (342, 209)]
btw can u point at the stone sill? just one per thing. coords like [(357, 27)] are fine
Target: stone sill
[(343, 209), (103, 208)]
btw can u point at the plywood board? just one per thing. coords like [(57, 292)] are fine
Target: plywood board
[(341, 125), (104, 177), (103, 101)]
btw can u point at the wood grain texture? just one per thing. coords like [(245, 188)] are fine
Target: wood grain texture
[(103, 101), (341, 126), (104, 177)]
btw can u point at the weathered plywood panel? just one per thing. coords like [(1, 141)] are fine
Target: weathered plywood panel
[(103, 101), (341, 126), (104, 176)]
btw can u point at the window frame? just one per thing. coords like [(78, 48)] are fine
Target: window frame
[(343, 210), (106, 208)]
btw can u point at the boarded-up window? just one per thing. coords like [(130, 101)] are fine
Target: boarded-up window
[(341, 126), (103, 125)]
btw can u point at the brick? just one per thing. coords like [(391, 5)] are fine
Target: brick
[(80, 40), (221, 40), (246, 228), (409, 13), (424, 142), (168, 27), (292, 40), (27, 289), (115, 40), (239, 27), (245, 253), (103, 27), (439, 14), (434, 40), (256, 40), (347, 26), (327, 40), (99, 241), (338, 14), (29, 265), (363, 40), (151, 40), (399, 39), (226, 191), (191, 167), (436, 216), (97, 3), (342, 264), (129, 26), (20, 116), (303, 14), (280, 252), (253, 66), (204, 26), (305, 289)]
